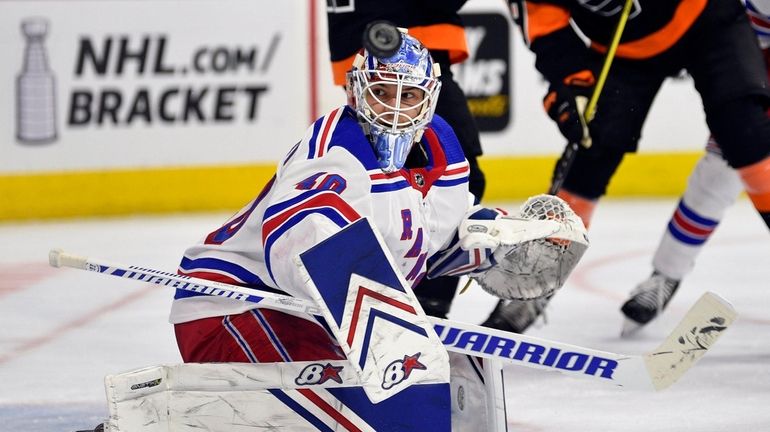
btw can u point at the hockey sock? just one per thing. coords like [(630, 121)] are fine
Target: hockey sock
[(756, 180), (712, 187)]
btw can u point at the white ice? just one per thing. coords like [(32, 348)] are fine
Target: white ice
[(63, 330)]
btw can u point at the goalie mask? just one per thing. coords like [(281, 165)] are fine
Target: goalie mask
[(395, 98)]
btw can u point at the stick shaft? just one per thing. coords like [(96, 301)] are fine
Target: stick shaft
[(509, 348), (591, 107)]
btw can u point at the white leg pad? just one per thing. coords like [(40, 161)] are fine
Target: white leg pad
[(478, 398), (216, 397), (240, 397)]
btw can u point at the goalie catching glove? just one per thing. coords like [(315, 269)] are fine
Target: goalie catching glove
[(533, 252)]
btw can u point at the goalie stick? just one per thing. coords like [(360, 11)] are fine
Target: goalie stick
[(703, 324)]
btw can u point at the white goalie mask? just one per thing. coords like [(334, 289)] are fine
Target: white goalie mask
[(395, 98)]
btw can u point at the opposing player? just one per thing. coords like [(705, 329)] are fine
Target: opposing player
[(710, 39), (712, 187), (384, 158)]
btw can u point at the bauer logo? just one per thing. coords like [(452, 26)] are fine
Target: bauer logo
[(485, 76), (35, 87)]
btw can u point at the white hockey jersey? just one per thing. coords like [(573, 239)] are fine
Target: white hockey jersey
[(328, 180)]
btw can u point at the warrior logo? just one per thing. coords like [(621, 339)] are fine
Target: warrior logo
[(399, 370)]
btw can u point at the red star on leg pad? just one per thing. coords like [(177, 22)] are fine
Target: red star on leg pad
[(330, 373), (412, 362)]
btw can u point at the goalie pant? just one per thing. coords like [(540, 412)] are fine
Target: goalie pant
[(475, 402)]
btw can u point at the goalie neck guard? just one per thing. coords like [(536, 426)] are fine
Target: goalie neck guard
[(395, 98)]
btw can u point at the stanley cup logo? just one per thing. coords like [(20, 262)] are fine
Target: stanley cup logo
[(35, 88)]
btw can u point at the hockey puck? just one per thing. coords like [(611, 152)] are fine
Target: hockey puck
[(382, 38)]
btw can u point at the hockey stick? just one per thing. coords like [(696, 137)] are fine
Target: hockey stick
[(695, 334), (564, 163)]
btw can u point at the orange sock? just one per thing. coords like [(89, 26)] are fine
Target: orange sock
[(756, 180), (582, 207)]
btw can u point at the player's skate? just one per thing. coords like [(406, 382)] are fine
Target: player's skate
[(515, 315), (647, 301)]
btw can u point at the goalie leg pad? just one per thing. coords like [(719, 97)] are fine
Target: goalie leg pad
[(299, 396), (372, 312)]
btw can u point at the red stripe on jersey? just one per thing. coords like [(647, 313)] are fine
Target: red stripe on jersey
[(460, 170), (212, 276), (323, 199), (468, 267), (384, 176), (322, 142)]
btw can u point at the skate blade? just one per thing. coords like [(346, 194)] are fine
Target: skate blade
[(630, 328)]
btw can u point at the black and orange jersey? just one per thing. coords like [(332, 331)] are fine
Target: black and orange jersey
[(435, 23), (653, 27)]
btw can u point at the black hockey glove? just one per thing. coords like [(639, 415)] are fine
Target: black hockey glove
[(566, 103)]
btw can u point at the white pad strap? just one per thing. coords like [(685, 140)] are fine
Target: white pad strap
[(505, 231)]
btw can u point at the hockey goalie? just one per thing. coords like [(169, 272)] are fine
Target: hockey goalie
[(372, 199)]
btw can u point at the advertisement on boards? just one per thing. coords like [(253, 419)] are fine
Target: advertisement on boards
[(124, 84)]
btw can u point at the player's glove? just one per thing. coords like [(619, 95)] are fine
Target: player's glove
[(566, 103)]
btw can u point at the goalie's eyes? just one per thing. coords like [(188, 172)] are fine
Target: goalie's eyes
[(386, 93)]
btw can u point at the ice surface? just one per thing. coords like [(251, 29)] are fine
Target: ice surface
[(62, 330)]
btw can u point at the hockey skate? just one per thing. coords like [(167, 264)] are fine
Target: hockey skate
[(647, 301), (515, 315)]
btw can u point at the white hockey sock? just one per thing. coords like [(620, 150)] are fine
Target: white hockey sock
[(712, 187)]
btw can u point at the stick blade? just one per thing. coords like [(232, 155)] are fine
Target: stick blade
[(703, 324)]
